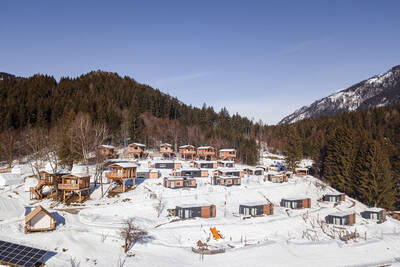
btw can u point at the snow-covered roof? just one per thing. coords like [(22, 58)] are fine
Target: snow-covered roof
[(194, 205), (10, 179), (226, 161), (138, 144), (301, 169), (167, 161), (80, 174), (188, 169), (341, 213), (256, 203), (256, 169), (185, 146), (205, 147), (125, 164), (178, 178), (296, 198), (229, 170), (227, 150), (228, 176), (374, 209), (165, 144), (108, 146), (205, 161)]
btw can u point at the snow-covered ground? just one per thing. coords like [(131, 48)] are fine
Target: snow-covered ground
[(287, 238)]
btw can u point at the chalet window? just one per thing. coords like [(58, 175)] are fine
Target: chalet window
[(180, 213), (337, 220), (253, 211), (119, 171), (246, 211), (74, 181), (294, 205), (374, 216), (188, 213), (172, 184)]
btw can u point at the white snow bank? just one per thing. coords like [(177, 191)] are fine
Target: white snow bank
[(10, 179), (23, 170), (30, 182), (10, 208)]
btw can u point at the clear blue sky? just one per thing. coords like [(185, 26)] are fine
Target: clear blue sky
[(263, 59)]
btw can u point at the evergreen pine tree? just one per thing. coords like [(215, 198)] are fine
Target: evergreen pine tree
[(293, 151)]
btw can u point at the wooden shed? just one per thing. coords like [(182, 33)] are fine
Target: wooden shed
[(229, 172), (205, 164), (148, 173), (120, 173), (378, 214), (206, 153), (334, 197), (186, 211), (341, 218), (301, 171), (187, 152), (226, 180), (227, 154), (39, 220), (255, 171), (137, 150), (166, 151), (179, 182), (256, 208), (75, 183), (296, 202), (225, 164), (107, 151), (277, 178)]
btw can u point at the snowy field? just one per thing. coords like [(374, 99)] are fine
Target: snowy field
[(90, 234)]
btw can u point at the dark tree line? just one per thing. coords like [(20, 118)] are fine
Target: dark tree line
[(357, 153), (132, 112)]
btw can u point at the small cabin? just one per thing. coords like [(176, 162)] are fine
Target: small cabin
[(206, 153), (179, 182), (229, 172), (225, 164), (187, 152), (190, 172), (334, 197), (195, 210), (277, 178), (137, 150), (226, 180), (256, 208), (39, 220), (148, 173), (75, 183), (46, 179), (377, 214), (204, 164), (341, 218), (301, 171), (121, 172), (255, 171), (289, 174), (395, 215), (107, 151), (296, 203), (166, 164), (166, 151), (227, 154)]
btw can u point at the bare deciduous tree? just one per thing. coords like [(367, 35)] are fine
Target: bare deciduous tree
[(131, 234), (160, 206), (9, 145), (36, 141)]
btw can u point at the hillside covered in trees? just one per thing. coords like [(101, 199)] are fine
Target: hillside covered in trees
[(357, 153), (131, 112)]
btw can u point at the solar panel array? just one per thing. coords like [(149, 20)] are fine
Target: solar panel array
[(20, 255)]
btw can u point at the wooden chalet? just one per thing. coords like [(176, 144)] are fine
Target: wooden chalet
[(301, 171), (46, 179), (225, 164), (277, 178), (166, 164), (39, 220), (254, 171), (395, 215), (120, 173), (190, 172), (204, 164), (374, 214), (206, 153), (257, 208), (341, 218), (137, 151), (226, 180), (187, 152), (75, 183), (229, 172), (227, 154), (107, 151), (166, 151), (148, 173), (334, 197), (179, 182), (186, 211), (296, 203)]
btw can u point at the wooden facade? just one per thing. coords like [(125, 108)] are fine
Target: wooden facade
[(187, 152), (227, 154), (301, 171), (203, 164), (39, 220), (179, 182), (190, 172), (196, 210), (226, 180), (229, 172), (137, 151), (166, 151), (78, 184), (334, 197), (254, 171), (225, 164), (206, 153), (395, 215), (46, 179), (341, 218), (107, 151), (120, 173), (277, 178), (148, 174), (296, 203), (374, 214), (256, 209)]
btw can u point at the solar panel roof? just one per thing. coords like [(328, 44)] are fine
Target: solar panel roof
[(20, 255)]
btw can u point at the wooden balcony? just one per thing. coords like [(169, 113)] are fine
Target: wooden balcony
[(70, 187), (115, 175)]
